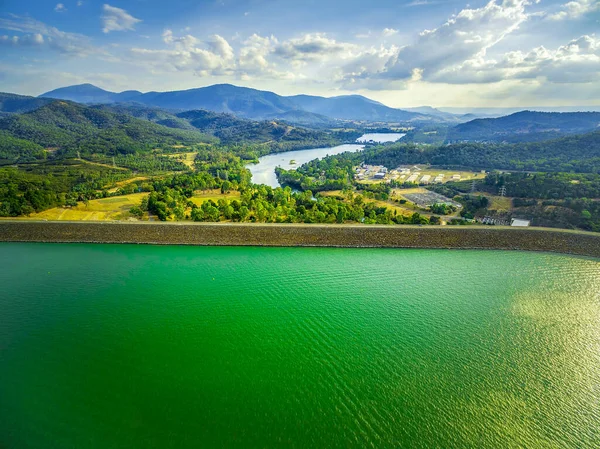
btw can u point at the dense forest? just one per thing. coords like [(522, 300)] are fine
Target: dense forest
[(579, 153), (525, 126)]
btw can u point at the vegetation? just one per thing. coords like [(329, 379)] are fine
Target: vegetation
[(525, 126), (580, 153)]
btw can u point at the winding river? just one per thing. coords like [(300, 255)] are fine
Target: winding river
[(264, 171)]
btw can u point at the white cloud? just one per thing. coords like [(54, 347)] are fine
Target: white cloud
[(187, 53), (80, 3), (465, 36), (576, 9), (60, 7), (576, 62), (389, 31), (40, 34), (27, 40), (117, 19), (312, 47)]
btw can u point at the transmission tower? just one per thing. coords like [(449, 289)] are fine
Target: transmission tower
[(473, 186), (114, 165), (502, 191)]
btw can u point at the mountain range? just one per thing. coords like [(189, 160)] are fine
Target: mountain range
[(255, 104)]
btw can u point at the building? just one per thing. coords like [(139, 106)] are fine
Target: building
[(520, 223), (379, 175), (412, 178), (456, 177), (425, 179)]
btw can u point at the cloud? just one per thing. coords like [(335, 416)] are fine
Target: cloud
[(253, 60), (312, 47), (36, 33), (117, 19), (576, 62), (465, 36), (576, 9), (60, 8), (80, 3), (27, 40), (389, 32), (187, 53)]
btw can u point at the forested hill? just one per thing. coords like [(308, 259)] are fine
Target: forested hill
[(64, 127), (525, 126), (227, 127), (12, 103), (577, 153)]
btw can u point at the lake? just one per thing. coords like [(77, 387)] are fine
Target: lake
[(264, 171), (112, 346)]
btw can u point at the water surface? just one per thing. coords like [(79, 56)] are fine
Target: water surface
[(264, 171), (113, 346)]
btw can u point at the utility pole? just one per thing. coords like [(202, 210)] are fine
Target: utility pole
[(473, 186), (114, 165), (503, 191)]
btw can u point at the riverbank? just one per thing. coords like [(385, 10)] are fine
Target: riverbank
[(351, 236)]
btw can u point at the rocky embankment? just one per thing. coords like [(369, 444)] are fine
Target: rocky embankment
[(352, 236)]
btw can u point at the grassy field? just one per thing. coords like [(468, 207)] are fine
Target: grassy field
[(215, 195), (402, 209), (113, 208), (186, 158), (499, 203)]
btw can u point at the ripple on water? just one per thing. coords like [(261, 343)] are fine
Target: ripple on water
[(112, 346)]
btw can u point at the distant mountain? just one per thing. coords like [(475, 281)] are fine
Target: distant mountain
[(88, 93), (354, 107), (447, 116), (525, 126), (251, 103), (12, 103), (304, 118), (499, 112)]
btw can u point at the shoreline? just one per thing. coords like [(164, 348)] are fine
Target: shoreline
[(579, 243)]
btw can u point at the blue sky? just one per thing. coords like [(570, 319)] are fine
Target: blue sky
[(403, 53)]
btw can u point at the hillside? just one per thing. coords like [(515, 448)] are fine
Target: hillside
[(68, 127), (17, 104), (525, 126), (576, 153)]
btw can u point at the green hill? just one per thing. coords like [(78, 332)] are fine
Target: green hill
[(18, 104), (64, 127), (525, 126), (577, 153)]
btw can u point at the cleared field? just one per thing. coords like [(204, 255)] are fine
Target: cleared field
[(215, 195), (120, 184), (499, 203), (114, 208), (185, 158)]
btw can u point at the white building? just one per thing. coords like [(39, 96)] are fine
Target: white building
[(520, 223)]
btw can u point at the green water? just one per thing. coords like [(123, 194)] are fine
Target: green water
[(185, 347)]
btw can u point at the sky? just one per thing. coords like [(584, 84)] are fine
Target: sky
[(404, 53)]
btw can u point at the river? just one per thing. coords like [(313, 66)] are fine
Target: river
[(113, 346), (264, 171)]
